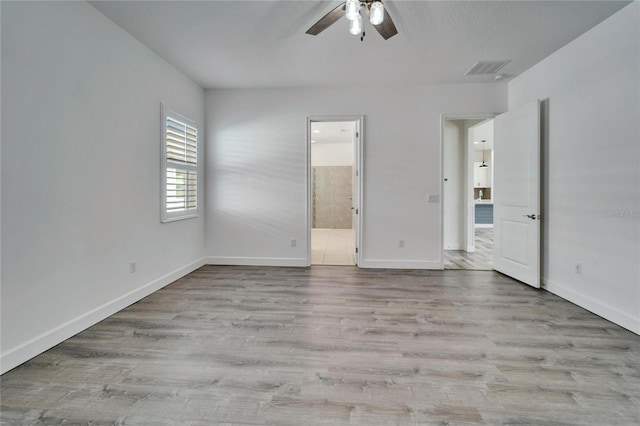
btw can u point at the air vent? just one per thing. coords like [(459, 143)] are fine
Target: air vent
[(486, 67)]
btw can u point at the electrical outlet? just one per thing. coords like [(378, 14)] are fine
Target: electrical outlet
[(578, 268), (434, 198), (294, 242), (132, 267), (401, 243)]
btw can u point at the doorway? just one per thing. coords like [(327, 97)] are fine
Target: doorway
[(334, 188), (467, 147)]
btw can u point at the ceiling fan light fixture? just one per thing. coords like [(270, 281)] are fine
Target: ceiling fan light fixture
[(355, 26), (352, 9), (377, 13)]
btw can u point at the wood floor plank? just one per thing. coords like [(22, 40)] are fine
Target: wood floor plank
[(480, 260), (336, 345)]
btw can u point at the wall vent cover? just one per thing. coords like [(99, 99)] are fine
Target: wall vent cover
[(486, 67)]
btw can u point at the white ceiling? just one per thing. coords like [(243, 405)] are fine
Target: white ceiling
[(251, 44)]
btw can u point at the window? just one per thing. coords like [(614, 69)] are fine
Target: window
[(179, 174)]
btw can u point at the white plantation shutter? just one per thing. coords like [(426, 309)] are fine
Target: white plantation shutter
[(179, 167)]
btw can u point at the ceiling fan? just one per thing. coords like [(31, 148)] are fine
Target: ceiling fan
[(374, 9)]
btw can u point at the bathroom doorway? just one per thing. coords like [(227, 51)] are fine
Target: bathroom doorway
[(334, 184)]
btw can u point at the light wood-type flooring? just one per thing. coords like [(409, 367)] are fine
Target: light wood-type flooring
[(479, 260), (336, 346), (332, 246)]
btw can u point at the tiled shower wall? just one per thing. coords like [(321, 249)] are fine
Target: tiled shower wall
[(332, 191)]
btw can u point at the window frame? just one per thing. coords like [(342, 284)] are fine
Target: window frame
[(165, 164)]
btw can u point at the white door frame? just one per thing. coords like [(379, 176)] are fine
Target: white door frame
[(357, 189), (443, 119)]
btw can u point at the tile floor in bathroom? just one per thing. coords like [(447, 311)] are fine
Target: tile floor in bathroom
[(332, 246)]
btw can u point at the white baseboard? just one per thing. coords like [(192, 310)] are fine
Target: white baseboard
[(257, 261), (471, 249), (401, 264), (597, 307), (453, 246), (35, 346), (483, 225)]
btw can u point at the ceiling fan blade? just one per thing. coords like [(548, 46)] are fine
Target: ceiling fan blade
[(387, 28), (327, 20)]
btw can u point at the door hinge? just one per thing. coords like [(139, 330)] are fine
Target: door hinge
[(356, 249), (356, 211), (357, 173), (357, 134)]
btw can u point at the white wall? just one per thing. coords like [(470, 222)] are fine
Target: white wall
[(332, 154), (592, 170), (256, 169), (484, 132), (80, 173), (453, 196), (488, 160)]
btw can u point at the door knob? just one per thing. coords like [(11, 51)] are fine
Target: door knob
[(531, 216)]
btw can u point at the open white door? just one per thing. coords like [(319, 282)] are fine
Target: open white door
[(517, 194), (355, 213)]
